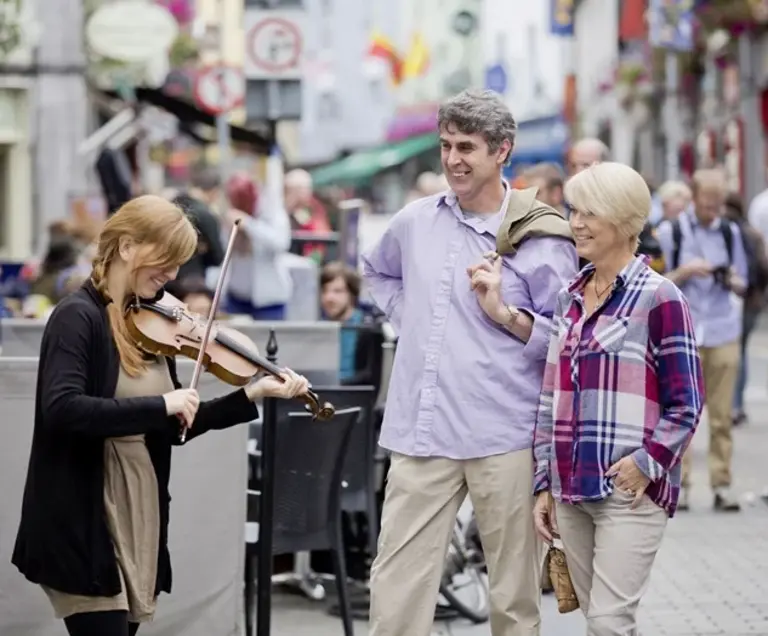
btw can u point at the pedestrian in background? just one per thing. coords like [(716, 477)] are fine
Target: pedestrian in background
[(705, 257), (258, 281)]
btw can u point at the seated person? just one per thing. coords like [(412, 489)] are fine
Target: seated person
[(361, 354)]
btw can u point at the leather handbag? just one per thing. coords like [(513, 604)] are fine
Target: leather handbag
[(560, 579)]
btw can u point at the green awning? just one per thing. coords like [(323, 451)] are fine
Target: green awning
[(363, 165)]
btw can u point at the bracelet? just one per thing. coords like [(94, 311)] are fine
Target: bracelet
[(514, 314)]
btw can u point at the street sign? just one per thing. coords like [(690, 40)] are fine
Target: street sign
[(274, 44), (219, 89), (671, 24), (496, 78)]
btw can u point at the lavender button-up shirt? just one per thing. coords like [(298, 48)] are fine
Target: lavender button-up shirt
[(462, 386)]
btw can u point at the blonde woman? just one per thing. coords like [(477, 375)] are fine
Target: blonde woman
[(94, 519), (621, 399)]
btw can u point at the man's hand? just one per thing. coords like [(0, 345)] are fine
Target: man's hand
[(735, 283), (697, 267), (485, 281), (544, 518), (629, 478)]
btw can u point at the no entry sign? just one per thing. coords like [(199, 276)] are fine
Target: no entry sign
[(274, 44), (219, 89)]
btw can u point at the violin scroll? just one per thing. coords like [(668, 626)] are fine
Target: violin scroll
[(322, 412)]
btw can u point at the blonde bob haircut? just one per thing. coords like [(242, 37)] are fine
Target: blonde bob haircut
[(166, 238), (613, 192)]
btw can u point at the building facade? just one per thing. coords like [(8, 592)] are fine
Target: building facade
[(43, 115), (16, 131), (347, 103), (62, 115), (518, 41)]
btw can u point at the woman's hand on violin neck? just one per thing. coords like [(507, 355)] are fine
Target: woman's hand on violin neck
[(287, 386), (184, 403)]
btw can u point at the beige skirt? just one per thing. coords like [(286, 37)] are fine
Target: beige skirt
[(133, 518)]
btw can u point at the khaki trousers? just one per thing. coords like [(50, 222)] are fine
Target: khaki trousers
[(720, 366), (423, 496), (610, 550)]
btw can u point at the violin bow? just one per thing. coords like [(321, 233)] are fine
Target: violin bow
[(211, 317)]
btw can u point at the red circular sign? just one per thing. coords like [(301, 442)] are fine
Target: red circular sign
[(218, 90), (283, 41)]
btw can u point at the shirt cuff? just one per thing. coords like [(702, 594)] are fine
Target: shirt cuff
[(540, 483), (652, 469), (538, 344)]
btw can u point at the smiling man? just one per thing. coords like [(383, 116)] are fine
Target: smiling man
[(465, 385)]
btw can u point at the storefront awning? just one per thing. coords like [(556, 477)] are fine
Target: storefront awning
[(187, 112), (361, 166), (544, 139)]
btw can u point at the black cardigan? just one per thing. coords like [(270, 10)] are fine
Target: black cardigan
[(63, 540)]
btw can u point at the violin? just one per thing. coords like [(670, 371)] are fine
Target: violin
[(166, 327)]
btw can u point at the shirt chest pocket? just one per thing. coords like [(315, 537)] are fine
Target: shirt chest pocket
[(609, 335)]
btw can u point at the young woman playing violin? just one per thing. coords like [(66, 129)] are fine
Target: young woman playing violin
[(94, 520)]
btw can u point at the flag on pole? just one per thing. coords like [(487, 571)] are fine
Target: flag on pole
[(416, 61), (381, 47)]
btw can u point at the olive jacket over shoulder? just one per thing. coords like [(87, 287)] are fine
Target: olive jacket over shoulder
[(63, 540)]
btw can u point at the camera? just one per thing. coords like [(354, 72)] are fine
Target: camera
[(721, 275)]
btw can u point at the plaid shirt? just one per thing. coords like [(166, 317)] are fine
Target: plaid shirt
[(624, 381)]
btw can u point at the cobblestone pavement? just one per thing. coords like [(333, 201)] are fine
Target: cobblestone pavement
[(711, 575)]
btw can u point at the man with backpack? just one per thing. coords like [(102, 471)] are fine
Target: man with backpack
[(705, 256), (754, 299)]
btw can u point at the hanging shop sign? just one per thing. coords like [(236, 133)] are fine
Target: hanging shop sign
[(131, 31)]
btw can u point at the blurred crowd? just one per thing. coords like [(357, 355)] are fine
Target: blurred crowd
[(259, 283)]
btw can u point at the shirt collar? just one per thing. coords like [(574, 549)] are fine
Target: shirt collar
[(623, 279), (491, 223), (690, 213)]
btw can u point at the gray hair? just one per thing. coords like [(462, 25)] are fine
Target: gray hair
[(206, 178), (479, 112), (594, 146)]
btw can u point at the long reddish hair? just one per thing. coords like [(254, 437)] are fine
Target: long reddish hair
[(243, 193), (166, 238)]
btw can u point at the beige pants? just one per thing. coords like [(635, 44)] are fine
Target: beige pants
[(610, 550), (423, 496), (720, 366)]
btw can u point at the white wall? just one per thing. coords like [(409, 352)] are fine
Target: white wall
[(455, 61), (61, 110), (517, 31), (344, 106), (596, 53)]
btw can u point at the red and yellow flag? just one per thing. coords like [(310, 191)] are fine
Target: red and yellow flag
[(381, 47), (416, 62)]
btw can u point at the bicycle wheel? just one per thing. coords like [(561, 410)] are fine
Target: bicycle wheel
[(463, 575)]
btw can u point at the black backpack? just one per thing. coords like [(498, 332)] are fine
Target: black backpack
[(757, 279)]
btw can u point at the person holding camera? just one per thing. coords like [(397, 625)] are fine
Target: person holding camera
[(705, 257)]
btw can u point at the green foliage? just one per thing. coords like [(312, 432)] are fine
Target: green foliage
[(183, 50)]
